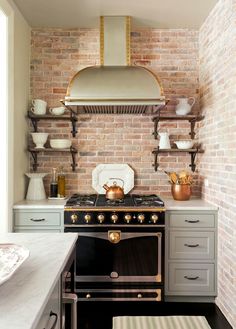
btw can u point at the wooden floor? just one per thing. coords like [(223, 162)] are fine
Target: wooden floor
[(98, 315)]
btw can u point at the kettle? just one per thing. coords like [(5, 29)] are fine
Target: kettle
[(114, 192)]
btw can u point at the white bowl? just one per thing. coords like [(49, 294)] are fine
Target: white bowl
[(188, 144), (39, 139), (60, 143)]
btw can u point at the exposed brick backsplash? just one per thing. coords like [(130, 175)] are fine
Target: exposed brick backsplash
[(217, 132), (57, 54)]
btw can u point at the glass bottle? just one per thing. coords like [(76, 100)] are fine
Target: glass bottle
[(61, 180), (53, 184)]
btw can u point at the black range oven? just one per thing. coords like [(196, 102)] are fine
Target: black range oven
[(120, 249)]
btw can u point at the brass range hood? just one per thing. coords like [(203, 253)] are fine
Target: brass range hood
[(115, 86)]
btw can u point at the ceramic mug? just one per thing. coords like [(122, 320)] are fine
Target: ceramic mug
[(57, 110), (39, 106)]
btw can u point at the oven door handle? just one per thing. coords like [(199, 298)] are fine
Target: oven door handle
[(124, 235)]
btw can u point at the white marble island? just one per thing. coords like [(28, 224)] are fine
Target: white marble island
[(24, 296)]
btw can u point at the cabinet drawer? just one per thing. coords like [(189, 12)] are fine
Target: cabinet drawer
[(191, 220), (191, 245), (195, 279), (37, 218)]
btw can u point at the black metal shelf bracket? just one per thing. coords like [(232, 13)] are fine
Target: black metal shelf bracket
[(156, 122), (73, 153), (34, 122), (156, 164), (73, 119), (35, 158), (193, 156)]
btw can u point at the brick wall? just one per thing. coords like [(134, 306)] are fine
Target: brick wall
[(57, 54), (217, 132)]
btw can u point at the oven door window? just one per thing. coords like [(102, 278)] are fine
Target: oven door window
[(117, 255)]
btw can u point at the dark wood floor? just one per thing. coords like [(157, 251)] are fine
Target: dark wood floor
[(98, 315)]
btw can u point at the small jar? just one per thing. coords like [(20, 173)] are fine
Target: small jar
[(53, 184), (61, 181)]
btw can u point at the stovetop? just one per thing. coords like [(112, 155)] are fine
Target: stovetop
[(130, 200)]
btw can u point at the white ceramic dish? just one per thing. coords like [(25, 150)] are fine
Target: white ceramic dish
[(60, 143), (12, 257), (106, 174), (188, 144)]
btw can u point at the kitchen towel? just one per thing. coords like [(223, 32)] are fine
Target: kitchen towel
[(160, 322)]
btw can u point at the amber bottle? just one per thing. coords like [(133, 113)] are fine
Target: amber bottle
[(61, 181)]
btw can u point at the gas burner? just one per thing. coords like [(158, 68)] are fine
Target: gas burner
[(116, 202), (147, 200), (82, 200)]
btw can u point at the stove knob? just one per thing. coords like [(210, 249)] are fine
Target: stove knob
[(87, 218), (128, 218), (74, 218), (141, 218), (101, 218), (114, 218), (154, 218)]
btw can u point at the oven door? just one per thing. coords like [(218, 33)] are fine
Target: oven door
[(116, 256)]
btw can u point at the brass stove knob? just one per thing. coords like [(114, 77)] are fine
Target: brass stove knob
[(114, 218), (101, 218), (74, 218), (128, 218), (154, 218), (141, 218), (87, 218), (139, 295), (88, 296)]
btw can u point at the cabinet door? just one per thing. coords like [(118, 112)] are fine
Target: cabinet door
[(191, 245), (51, 314)]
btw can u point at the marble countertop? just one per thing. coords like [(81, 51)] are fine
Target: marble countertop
[(24, 296), (170, 204)]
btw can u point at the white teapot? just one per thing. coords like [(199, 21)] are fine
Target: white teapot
[(184, 106)]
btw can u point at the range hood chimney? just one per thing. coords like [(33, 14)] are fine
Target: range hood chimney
[(115, 86)]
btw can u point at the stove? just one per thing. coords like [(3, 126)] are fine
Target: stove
[(96, 209), (120, 248)]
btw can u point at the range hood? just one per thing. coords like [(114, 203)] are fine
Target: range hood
[(115, 86)]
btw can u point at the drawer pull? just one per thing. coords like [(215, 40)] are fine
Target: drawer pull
[(37, 220), (191, 245), (191, 277), (192, 221)]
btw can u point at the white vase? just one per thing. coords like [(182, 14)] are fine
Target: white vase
[(36, 189)]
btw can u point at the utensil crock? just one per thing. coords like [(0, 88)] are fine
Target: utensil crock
[(181, 192)]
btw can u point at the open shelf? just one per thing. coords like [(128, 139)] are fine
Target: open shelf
[(193, 152), (34, 152), (191, 118), (71, 117)]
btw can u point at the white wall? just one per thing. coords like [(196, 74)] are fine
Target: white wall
[(18, 86)]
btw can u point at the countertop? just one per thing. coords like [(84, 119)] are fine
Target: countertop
[(170, 204), (24, 296)]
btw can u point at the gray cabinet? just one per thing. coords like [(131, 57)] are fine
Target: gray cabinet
[(40, 220), (51, 315), (190, 255)]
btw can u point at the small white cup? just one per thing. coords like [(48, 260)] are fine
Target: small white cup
[(57, 110), (39, 106)]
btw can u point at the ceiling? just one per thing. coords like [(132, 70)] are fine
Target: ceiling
[(85, 13)]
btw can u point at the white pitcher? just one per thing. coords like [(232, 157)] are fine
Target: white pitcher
[(36, 189), (164, 141), (184, 106)]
